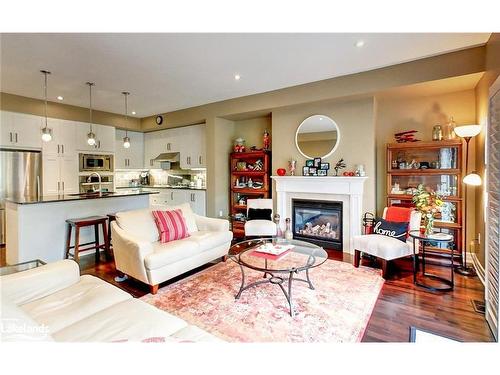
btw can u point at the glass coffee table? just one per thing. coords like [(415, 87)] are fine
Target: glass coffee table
[(19, 267), (278, 270)]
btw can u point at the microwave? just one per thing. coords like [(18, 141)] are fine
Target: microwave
[(96, 163)]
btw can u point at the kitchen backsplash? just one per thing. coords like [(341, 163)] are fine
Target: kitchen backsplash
[(123, 178)]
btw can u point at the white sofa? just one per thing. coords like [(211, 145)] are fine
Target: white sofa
[(139, 253), (54, 303)]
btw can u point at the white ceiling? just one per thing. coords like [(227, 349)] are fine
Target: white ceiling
[(166, 72)]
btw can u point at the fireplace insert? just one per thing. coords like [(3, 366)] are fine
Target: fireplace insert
[(319, 222)]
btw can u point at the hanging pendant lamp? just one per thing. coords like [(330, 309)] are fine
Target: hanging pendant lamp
[(126, 139), (46, 131), (90, 136)]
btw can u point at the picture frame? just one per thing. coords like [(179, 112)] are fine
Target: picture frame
[(325, 166), (305, 171), (313, 171), (310, 163), (317, 162), (322, 172)]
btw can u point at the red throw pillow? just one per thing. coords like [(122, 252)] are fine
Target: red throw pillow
[(171, 225)]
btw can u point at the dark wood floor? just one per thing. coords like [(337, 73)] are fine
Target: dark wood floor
[(399, 306)]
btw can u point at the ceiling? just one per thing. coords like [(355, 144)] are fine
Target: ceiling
[(166, 72)]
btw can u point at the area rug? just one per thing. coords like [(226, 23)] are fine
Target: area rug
[(337, 310)]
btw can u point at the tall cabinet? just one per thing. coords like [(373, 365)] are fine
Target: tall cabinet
[(437, 165), (250, 174)]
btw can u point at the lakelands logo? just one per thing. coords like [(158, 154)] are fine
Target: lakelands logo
[(17, 329)]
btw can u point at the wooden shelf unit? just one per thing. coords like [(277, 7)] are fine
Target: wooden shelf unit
[(236, 193), (430, 152)]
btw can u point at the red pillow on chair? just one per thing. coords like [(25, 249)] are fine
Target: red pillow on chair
[(171, 225)]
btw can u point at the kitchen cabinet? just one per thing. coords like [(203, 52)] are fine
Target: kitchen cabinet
[(60, 174), (63, 138), (20, 130), (197, 201), (154, 145), (175, 197), (192, 147), (105, 137), (132, 157)]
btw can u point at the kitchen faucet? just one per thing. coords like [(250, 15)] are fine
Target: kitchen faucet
[(89, 179)]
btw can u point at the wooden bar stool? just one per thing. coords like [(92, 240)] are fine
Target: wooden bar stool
[(94, 221)]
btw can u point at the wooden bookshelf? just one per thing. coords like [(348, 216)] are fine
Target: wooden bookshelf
[(444, 174), (241, 175)]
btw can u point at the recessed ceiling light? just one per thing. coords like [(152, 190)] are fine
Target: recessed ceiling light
[(133, 112), (321, 118), (60, 97), (237, 77), (360, 43)]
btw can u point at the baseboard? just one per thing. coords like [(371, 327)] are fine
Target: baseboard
[(478, 267)]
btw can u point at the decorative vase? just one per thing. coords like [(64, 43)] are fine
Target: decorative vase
[(281, 171), (429, 224), (288, 230), (291, 166)]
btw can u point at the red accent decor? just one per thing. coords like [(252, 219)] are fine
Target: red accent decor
[(398, 214), (281, 171), (171, 225), (256, 253)]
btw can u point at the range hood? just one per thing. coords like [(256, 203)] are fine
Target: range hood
[(168, 160)]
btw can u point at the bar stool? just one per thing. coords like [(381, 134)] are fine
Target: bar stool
[(94, 221)]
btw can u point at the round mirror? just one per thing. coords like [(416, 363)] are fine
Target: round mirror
[(317, 136)]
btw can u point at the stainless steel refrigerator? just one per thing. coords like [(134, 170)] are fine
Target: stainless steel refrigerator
[(20, 176)]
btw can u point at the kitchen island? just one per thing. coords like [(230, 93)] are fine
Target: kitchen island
[(36, 227)]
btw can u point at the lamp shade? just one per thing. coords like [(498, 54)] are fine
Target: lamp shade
[(467, 130), (472, 179)]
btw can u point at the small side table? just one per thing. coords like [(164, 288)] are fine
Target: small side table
[(19, 267), (423, 238)]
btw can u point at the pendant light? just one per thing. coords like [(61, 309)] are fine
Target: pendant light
[(90, 135), (46, 131), (126, 139)]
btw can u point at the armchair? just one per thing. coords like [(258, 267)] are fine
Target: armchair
[(260, 227)]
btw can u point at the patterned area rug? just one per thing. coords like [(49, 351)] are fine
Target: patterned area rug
[(337, 310)]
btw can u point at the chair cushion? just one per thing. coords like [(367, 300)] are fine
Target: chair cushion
[(74, 303), (139, 223), (259, 214), (171, 252), (382, 246), (131, 320), (187, 212), (260, 228), (394, 229), (208, 240), (171, 225)]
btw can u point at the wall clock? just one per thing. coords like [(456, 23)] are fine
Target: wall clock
[(159, 120)]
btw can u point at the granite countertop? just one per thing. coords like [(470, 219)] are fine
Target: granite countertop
[(78, 197), (160, 187)]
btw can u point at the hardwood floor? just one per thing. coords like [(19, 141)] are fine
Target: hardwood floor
[(399, 306)]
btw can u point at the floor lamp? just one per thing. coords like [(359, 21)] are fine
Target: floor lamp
[(473, 179)]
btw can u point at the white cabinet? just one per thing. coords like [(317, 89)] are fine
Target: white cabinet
[(132, 157), (175, 197), (63, 138), (60, 174), (154, 145), (192, 150), (105, 137), (197, 201), (20, 130)]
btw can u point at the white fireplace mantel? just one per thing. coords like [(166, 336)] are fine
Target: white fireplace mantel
[(348, 190)]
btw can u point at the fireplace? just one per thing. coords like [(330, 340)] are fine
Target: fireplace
[(319, 222)]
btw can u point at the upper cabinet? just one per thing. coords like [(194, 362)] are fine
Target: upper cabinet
[(193, 147), (154, 145), (105, 137), (20, 130), (63, 138), (132, 157)]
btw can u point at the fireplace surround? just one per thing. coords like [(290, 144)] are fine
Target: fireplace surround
[(319, 222), (348, 190)]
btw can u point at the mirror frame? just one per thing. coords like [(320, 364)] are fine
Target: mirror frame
[(320, 156)]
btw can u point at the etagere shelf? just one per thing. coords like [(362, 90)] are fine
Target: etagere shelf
[(438, 165), (250, 174)]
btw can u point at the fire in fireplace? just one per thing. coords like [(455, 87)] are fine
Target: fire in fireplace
[(319, 222)]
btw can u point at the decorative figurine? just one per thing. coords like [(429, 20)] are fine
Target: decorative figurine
[(291, 167), (340, 165), (360, 170), (266, 140), (239, 145)]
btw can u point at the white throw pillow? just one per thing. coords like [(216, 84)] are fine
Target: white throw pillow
[(187, 212), (139, 223)]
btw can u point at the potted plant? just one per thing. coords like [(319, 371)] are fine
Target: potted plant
[(429, 204)]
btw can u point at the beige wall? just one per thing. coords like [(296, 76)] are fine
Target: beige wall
[(252, 130), (357, 137), (482, 94), (16, 103)]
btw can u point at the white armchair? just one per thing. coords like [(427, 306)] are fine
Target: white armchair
[(259, 227), (139, 253), (384, 247)]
